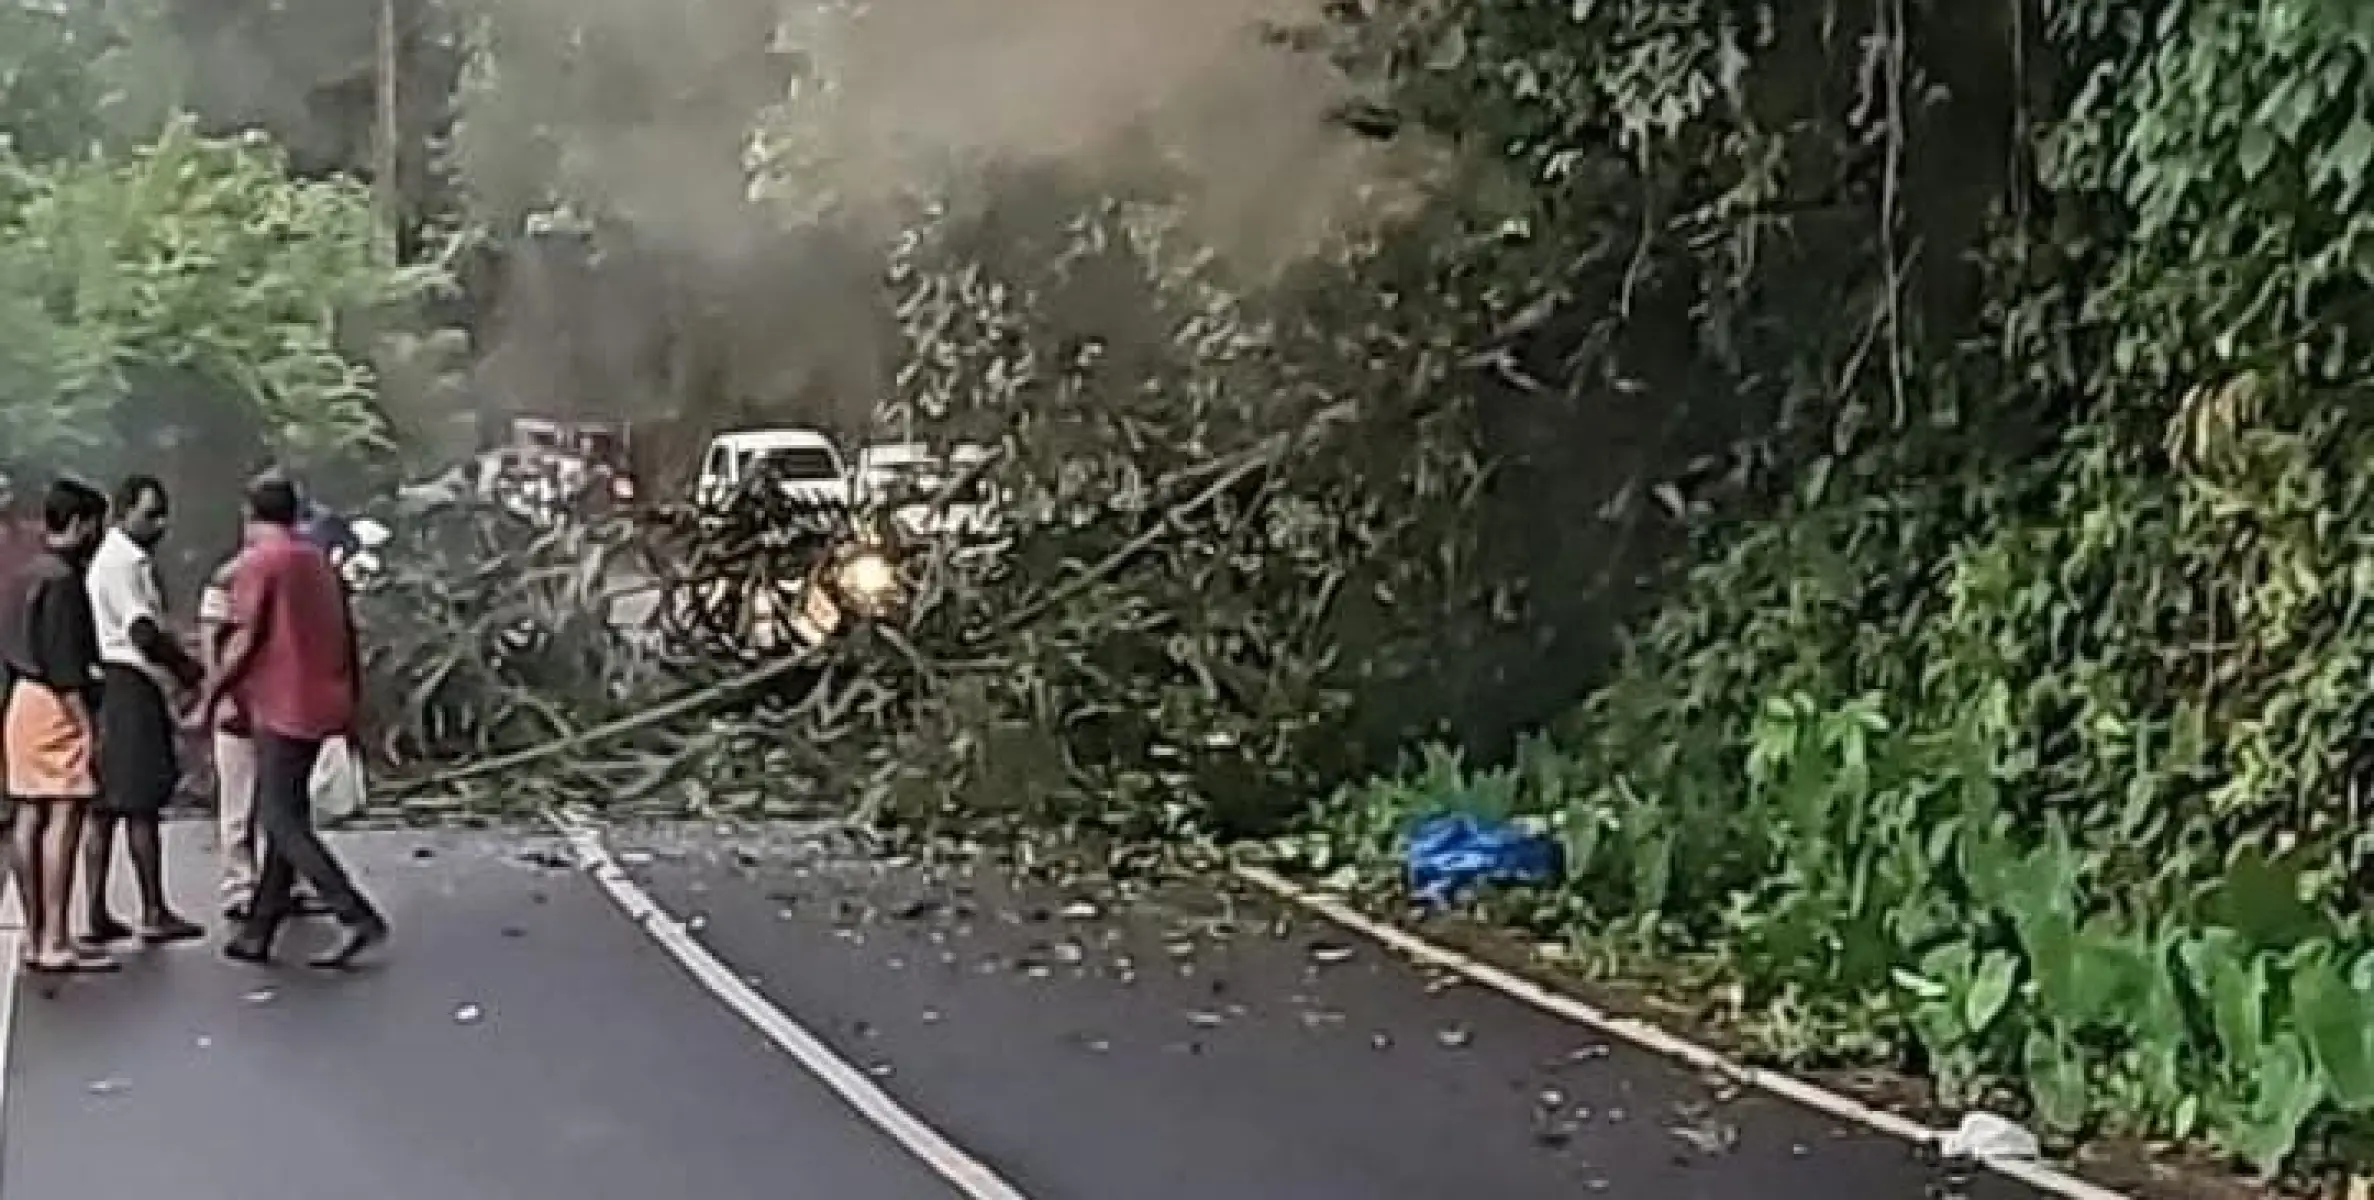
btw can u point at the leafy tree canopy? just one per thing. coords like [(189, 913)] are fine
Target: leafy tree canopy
[(146, 268)]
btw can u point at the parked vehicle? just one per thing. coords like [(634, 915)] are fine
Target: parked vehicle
[(553, 470), (802, 463), (927, 494), (532, 484)]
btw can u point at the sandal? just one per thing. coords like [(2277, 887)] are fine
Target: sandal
[(73, 962), (171, 929), (88, 962)]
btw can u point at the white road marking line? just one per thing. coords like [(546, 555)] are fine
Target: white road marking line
[(2037, 1175), (12, 966), (970, 1177)]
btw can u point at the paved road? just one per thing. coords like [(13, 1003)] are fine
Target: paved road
[(521, 1043), (1198, 1047), (526, 1041)]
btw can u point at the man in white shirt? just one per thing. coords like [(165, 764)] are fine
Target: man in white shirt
[(141, 665)]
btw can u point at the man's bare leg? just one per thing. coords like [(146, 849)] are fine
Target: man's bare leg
[(98, 865), (24, 853), (144, 840), (61, 842)]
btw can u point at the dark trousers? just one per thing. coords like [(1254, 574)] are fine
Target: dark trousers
[(292, 847)]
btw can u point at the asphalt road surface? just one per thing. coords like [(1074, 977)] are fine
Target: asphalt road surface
[(525, 1040)]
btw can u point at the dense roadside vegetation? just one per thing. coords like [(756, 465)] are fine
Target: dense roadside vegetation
[(1955, 401), (2019, 737)]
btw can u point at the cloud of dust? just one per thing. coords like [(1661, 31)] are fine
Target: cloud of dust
[(921, 89), (875, 106), (676, 116)]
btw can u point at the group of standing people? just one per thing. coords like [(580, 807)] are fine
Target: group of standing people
[(90, 739)]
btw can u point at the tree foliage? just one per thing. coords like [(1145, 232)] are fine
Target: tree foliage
[(160, 283), (2021, 739)]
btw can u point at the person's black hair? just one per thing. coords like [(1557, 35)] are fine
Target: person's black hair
[(273, 500), (69, 501), (129, 493)]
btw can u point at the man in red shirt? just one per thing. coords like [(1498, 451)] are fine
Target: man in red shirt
[(291, 661)]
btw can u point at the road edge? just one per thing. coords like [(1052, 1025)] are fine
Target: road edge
[(2040, 1176), (12, 970), (968, 1175)]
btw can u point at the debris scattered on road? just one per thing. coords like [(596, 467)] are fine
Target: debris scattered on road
[(1455, 1037), (1330, 953), (1321, 1018), (110, 1087), (918, 909), (1708, 1137), (468, 1014), (263, 995)]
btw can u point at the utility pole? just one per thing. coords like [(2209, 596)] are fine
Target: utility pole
[(386, 160)]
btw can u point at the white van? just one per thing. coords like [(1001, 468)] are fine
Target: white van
[(907, 477), (804, 462)]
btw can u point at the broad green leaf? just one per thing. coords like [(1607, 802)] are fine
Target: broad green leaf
[(2231, 976), (2333, 1021), (1990, 990), (2284, 1091), (2260, 898), (2056, 1082)]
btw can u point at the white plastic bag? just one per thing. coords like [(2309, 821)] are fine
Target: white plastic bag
[(1985, 1137), (339, 790)]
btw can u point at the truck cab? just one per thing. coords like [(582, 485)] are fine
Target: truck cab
[(803, 462)]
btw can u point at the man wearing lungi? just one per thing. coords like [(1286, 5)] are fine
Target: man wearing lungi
[(46, 736), (140, 667)]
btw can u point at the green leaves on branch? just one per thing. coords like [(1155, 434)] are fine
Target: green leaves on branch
[(201, 257), (1200, 557)]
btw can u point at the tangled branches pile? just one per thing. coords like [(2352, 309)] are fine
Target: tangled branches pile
[(1204, 562)]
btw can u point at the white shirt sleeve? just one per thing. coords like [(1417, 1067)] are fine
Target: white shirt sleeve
[(122, 591)]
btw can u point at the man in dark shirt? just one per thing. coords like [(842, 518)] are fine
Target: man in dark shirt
[(291, 662), (52, 651)]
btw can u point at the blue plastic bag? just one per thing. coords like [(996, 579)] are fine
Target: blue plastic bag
[(1448, 854)]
